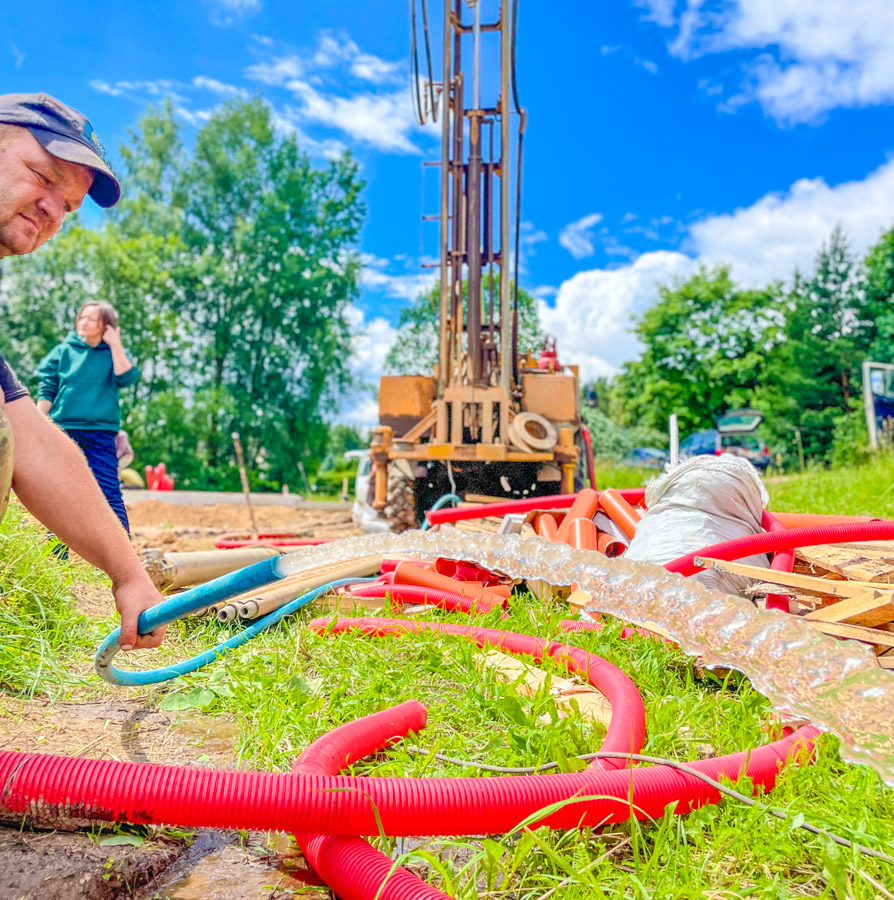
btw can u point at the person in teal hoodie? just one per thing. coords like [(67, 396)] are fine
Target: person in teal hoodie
[(79, 383)]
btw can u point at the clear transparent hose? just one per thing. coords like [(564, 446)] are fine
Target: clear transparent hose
[(836, 685)]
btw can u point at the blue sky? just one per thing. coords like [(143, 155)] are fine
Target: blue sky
[(661, 133)]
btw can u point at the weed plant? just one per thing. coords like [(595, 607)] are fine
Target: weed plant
[(289, 686), (40, 627)]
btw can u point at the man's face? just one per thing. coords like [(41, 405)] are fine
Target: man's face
[(36, 191)]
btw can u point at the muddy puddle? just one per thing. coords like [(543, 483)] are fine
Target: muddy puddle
[(227, 866)]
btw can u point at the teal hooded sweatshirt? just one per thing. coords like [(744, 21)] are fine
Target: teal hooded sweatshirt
[(82, 386)]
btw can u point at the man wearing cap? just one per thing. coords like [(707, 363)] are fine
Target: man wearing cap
[(50, 159)]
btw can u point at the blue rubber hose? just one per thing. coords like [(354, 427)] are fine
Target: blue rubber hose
[(441, 501), (262, 573)]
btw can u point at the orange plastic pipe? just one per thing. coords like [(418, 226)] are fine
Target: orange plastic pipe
[(409, 574), (620, 512), (546, 526), (583, 534), (608, 544), (582, 537), (805, 520), (584, 507)]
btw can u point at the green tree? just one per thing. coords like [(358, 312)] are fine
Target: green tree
[(705, 344), (813, 375), (233, 266), (415, 349), (879, 287)]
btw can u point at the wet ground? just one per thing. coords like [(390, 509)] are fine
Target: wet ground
[(212, 865)]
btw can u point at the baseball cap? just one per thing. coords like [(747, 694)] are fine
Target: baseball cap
[(64, 133)]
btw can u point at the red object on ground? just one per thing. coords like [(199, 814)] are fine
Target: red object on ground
[(583, 534), (414, 593), (150, 478), (546, 526), (584, 507), (350, 865), (790, 539), (591, 459), (627, 632), (405, 574), (233, 540), (106, 790), (620, 512), (805, 520), (783, 561), (609, 544), (465, 571), (633, 496)]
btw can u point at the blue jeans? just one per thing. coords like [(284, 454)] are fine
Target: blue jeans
[(99, 448)]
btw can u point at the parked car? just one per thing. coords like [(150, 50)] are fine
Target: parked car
[(748, 446), (646, 458)]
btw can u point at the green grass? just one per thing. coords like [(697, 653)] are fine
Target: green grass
[(864, 490), (290, 686), (40, 628)]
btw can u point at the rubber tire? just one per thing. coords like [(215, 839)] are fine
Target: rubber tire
[(400, 496)]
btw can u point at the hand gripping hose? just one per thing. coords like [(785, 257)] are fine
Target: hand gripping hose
[(53, 787), (352, 868), (264, 572)]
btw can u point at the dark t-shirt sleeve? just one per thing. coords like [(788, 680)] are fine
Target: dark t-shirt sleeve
[(10, 385)]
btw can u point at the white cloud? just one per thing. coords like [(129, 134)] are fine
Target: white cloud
[(225, 12), (17, 56), (768, 239), (160, 87), (286, 120), (577, 238), (382, 120), (763, 242), (367, 114), (594, 310), (217, 87), (812, 57), (659, 11), (371, 342), (276, 71), (402, 287), (647, 64)]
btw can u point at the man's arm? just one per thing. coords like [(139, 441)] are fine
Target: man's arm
[(52, 479)]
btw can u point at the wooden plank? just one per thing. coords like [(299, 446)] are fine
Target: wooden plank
[(423, 425), (872, 609), (592, 704), (487, 421), (807, 583), (856, 565), (874, 636)]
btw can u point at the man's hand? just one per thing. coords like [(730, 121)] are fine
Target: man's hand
[(112, 336), (132, 598)]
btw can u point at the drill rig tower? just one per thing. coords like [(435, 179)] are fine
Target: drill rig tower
[(488, 421)]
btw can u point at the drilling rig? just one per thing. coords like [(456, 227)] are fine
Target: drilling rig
[(490, 420)]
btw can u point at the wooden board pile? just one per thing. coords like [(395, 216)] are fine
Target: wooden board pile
[(843, 590)]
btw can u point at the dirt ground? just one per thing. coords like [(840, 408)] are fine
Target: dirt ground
[(43, 864), (155, 523)]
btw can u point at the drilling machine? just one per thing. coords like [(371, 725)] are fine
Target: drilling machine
[(489, 421)]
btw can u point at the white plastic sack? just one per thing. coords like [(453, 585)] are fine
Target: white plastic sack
[(704, 501)]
